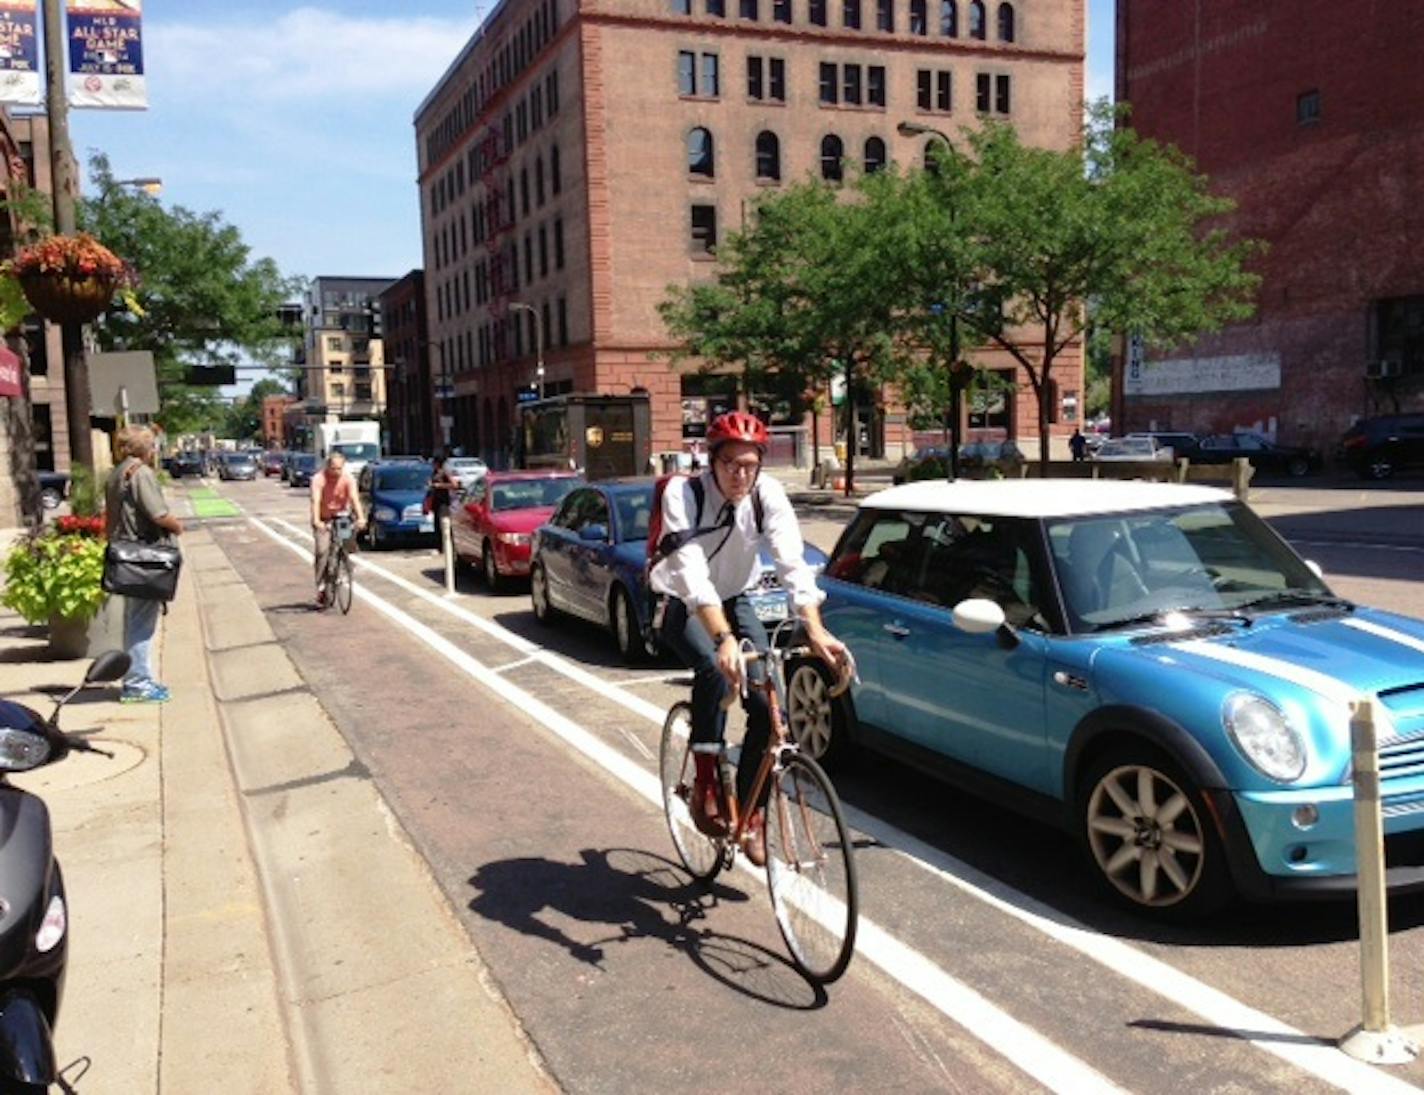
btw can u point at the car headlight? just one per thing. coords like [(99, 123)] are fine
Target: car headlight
[(385, 513), (1264, 736), (516, 538)]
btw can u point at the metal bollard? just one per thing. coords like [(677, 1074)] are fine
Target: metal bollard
[(1376, 1039), (448, 546)]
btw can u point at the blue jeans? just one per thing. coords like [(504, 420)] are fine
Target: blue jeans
[(683, 633), (140, 626)]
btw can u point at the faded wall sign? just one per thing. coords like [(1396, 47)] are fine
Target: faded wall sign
[(1185, 375)]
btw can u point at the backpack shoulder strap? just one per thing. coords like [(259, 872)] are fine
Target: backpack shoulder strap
[(759, 509), (699, 496)]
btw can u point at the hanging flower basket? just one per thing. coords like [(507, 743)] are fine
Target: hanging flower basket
[(70, 279)]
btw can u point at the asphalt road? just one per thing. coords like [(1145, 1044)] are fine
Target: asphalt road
[(987, 962)]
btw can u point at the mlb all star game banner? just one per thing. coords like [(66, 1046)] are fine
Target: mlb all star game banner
[(19, 54), (106, 54)]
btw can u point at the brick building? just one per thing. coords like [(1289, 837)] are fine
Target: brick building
[(579, 157), (274, 420), (1311, 115), (412, 401)]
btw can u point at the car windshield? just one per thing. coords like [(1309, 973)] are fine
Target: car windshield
[(634, 508), (305, 463), (465, 464), (531, 493), (410, 477), (357, 450), (1214, 559)]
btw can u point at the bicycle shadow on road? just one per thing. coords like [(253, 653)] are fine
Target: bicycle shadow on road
[(640, 896)]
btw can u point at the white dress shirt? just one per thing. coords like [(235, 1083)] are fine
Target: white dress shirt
[(707, 571)]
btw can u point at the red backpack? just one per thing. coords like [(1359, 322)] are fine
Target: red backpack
[(661, 545)]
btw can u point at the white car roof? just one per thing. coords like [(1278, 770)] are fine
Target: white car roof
[(1041, 497)]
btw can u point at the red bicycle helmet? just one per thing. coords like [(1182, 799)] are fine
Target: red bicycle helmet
[(737, 426)]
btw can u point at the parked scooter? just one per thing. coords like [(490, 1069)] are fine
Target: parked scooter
[(33, 919)]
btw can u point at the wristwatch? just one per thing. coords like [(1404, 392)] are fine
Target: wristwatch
[(721, 637)]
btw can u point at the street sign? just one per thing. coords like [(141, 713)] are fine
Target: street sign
[(527, 395), (444, 391)]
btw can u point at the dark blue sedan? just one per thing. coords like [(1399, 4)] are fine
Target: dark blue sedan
[(589, 562)]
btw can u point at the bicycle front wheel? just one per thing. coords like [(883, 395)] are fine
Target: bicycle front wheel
[(343, 582), (700, 854), (810, 869)]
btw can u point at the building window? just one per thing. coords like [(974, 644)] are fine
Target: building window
[(768, 156), (924, 89), (850, 79), (944, 91), (832, 152), (543, 251), (686, 73), (828, 84), (781, 11), (754, 84), (850, 14), (563, 322), (1002, 104), (681, 7), (776, 91), (1006, 22), (551, 93), (539, 181), (748, 9), (704, 229), (711, 84), (875, 85), (699, 153), (524, 191), (717, 8), (978, 23), (982, 92), (1307, 108), (919, 23), (948, 19), (874, 155), (816, 12), (559, 244)]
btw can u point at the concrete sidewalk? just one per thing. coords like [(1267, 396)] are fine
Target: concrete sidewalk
[(245, 913)]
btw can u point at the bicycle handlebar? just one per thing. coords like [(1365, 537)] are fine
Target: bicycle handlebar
[(750, 654)]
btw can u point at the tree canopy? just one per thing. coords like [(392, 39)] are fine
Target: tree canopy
[(203, 299)]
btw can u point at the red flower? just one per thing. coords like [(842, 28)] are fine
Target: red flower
[(77, 256)]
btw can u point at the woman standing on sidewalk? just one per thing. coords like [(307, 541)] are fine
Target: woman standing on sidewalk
[(135, 509)]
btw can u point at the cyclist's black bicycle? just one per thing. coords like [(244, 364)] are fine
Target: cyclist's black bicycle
[(810, 869), (336, 579)]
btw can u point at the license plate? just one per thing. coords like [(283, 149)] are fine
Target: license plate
[(767, 611)]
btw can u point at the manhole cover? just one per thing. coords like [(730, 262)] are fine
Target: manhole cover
[(79, 769)]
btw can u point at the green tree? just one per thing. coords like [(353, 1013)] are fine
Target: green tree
[(1117, 219), (202, 298), (799, 291)]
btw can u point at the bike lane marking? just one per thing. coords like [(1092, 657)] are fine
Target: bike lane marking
[(1325, 1061), (1020, 1045)]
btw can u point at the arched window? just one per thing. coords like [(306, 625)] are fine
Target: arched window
[(948, 18), (874, 155), (832, 151), (1006, 22), (768, 156), (699, 153), (919, 21), (978, 22)]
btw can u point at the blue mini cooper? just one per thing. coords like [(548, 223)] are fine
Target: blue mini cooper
[(1149, 665)]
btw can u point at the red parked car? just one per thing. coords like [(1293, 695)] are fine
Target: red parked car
[(272, 462), (493, 524)]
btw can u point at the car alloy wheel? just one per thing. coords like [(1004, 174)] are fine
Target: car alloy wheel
[(539, 594), (811, 713), (1146, 826), (1298, 466), (626, 631), (491, 569), (1380, 468), (50, 498)]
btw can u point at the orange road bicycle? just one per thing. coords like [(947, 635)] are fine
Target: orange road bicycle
[(810, 869)]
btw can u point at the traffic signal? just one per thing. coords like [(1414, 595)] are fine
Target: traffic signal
[(210, 376)]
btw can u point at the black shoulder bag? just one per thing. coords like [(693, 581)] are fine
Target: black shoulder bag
[(141, 569)]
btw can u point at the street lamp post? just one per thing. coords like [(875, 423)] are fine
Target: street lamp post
[(915, 129), (538, 341), (149, 184)]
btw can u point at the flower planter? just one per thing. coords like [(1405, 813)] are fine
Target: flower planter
[(74, 638), (68, 637), (64, 299)]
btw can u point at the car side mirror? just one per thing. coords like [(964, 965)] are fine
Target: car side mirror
[(594, 534), (108, 666), (981, 616)]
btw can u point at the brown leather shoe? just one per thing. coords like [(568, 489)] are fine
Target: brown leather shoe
[(754, 838), (706, 809)]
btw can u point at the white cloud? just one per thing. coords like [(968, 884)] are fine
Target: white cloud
[(307, 53)]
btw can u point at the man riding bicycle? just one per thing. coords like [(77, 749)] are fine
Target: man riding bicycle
[(333, 495), (705, 565)]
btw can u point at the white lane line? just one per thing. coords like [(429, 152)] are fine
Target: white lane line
[(1354, 545), (634, 682), (1024, 1047), (1208, 1003)]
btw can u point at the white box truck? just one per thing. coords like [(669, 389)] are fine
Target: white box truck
[(359, 442)]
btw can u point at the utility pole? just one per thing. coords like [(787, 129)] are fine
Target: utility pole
[(62, 183)]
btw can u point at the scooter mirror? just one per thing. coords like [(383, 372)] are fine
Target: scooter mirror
[(108, 666)]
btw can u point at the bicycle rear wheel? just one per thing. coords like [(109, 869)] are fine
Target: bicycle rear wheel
[(810, 869), (343, 582), (700, 854)]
